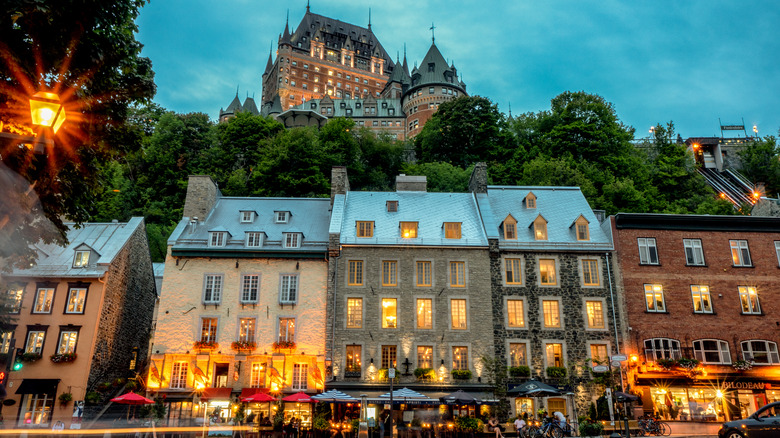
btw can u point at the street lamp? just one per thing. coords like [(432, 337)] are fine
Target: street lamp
[(46, 112)]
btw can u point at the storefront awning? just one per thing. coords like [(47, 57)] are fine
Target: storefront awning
[(210, 394), (246, 392), (38, 386)]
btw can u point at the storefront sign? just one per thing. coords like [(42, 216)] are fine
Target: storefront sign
[(744, 385)]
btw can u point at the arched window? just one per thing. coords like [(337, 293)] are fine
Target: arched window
[(661, 348)]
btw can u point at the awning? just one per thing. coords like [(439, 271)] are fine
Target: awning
[(246, 392), (38, 386), (216, 394)]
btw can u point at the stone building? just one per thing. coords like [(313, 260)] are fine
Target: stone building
[(701, 300), (408, 288), (554, 316), (243, 299), (81, 318)]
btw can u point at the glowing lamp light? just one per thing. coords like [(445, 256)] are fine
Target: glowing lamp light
[(719, 393), (46, 110)]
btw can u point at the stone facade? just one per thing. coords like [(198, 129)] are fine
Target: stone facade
[(202, 194)]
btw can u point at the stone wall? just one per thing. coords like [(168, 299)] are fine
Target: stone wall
[(202, 194)]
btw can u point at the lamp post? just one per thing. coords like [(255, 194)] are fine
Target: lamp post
[(46, 113)]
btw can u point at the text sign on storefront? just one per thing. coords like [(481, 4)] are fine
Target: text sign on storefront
[(600, 368), (744, 385), (619, 357)]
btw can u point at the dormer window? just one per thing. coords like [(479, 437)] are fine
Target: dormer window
[(540, 228), (392, 206), (365, 228), (254, 239), (81, 259), (530, 200), (292, 240), (409, 230), (582, 228), (247, 217), (452, 230), (282, 217), (510, 228), (217, 238)]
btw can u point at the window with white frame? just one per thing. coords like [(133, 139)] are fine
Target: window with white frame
[(547, 274), (77, 296), (281, 217), (354, 312), (554, 354), (458, 316), (517, 354), (460, 358), (36, 409), (208, 329), (250, 287), (712, 351), (654, 298), (513, 270), (748, 297), (300, 375), (551, 310), (35, 341), (286, 330), (760, 352), (179, 375), (44, 298), (702, 302), (740, 254), (694, 254), (247, 217), (515, 313), (254, 239), (662, 348), (292, 240), (648, 253), (212, 289), (288, 289), (217, 238), (257, 375), (81, 259), (67, 344), (595, 311), (457, 274), (590, 272), (246, 329)]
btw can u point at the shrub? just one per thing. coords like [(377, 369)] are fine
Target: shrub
[(461, 374), (591, 428), (425, 373), (382, 374), (92, 398), (556, 372), (666, 364), (321, 423), (521, 371), (468, 424)]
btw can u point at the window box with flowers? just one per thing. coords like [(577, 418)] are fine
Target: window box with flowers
[(425, 374), (461, 374), (29, 357), (520, 371), (63, 358), (205, 345), (283, 345), (665, 364), (742, 365), (556, 372), (243, 346)]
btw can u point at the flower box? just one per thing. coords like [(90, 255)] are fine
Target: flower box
[(520, 371), (243, 346), (29, 357), (62, 358), (461, 374), (425, 374), (742, 365), (556, 372), (205, 345), (284, 345), (352, 374)]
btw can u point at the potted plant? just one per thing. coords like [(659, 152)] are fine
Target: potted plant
[(590, 428), (426, 374), (243, 345), (92, 398), (469, 425), (461, 374), (556, 372), (63, 358), (104, 386), (520, 371), (65, 398)]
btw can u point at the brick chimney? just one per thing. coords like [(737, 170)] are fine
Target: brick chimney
[(408, 183), (202, 195), (339, 182)]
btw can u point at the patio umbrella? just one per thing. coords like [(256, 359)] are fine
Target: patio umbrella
[(533, 388), (406, 395), (258, 397), (132, 398), (334, 396), (298, 397), (460, 397)]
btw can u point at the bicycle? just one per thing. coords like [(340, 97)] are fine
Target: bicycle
[(652, 426), (547, 430)]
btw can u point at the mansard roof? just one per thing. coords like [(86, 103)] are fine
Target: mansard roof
[(357, 107)]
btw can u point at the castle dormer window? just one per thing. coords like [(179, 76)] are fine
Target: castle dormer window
[(81, 259), (247, 217), (282, 217), (217, 238)]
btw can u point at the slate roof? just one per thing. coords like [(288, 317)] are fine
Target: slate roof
[(358, 107), (433, 69), (105, 240), (429, 210), (560, 206), (309, 216)]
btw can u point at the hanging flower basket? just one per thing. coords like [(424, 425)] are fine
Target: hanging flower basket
[(205, 345), (62, 358), (243, 346)]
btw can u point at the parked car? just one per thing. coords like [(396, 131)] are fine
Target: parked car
[(764, 423)]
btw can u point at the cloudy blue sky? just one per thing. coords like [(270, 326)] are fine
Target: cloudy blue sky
[(691, 62)]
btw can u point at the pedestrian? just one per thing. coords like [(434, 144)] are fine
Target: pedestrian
[(519, 426), (494, 427)]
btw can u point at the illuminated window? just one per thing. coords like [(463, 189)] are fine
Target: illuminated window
[(389, 356), (547, 275), (299, 378), (748, 296), (288, 289), (590, 272), (179, 375), (218, 238), (540, 228), (354, 312), (694, 255), (552, 313), (712, 351), (208, 329), (354, 362), (409, 230), (5, 342), (598, 354), (76, 300), (654, 298), (250, 284), (355, 273), (257, 375), (452, 230), (13, 300), (457, 274), (595, 312), (554, 354), (661, 348), (460, 358), (67, 344), (389, 273), (424, 273), (81, 259), (389, 313), (760, 352), (424, 356), (740, 254), (458, 314), (702, 303), (424, 313), (648, 254), (517, 354), (286, 330), (365, 228), (510, 228), (514, 273), (212, 289), (246, 329), (43, 300), (35, 341), (515, 313)]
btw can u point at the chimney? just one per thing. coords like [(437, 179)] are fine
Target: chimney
[(404, 183), (339, 182), (478, 180), (202, 195)]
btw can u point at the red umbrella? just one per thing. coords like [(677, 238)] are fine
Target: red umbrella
[(258, 397), (300, 397), (132, 398)]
